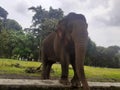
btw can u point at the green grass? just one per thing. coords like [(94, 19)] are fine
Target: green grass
[(92, 73), (102, 74), (7, 68)]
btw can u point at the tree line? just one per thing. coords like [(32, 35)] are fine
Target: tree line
[(26, 44)]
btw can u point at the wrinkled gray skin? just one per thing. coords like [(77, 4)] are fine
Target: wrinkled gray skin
[(67, 45)]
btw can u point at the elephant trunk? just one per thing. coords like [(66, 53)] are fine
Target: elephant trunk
[(80, 50), (79, 60)]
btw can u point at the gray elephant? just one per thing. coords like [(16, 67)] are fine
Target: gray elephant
[(67, 45)]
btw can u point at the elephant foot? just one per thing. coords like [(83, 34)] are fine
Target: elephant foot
[(75, 83), (45, 77), (86, 87), (64, 81)]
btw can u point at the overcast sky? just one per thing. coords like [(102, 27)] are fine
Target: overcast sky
[(102, 15)]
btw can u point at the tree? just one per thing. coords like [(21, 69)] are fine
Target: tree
[(44, 22), (117, 57), (1, 26), (3, 17), (9, 40), (21, 50), (108, 57), (3, 43), (90, 53), (110, 54), (12, 25), (3, 13), (101, 56), (42, 14)]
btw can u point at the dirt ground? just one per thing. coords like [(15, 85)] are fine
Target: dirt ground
[(14, 76)]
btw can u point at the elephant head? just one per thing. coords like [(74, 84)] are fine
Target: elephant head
[(72, 29)]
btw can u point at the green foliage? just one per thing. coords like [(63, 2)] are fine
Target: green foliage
[(42, 14), (107, 56), (26, 47), (12, 25), (8, 40), (55, 13), (14, 43), (1, 25), (101, 56), (44, 22), (104, 57), (4, 42), (90, 53)]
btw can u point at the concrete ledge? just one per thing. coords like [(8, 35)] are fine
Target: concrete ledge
[(26, 84)]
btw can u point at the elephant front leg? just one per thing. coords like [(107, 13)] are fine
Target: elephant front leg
[(64, 65), (75, 82), (64, 77)]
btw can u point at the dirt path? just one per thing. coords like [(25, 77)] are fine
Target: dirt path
[(20, 82), (51, 82)]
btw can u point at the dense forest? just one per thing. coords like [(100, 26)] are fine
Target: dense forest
[(26, 44)]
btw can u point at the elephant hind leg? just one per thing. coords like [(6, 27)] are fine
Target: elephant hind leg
[(46, 70)]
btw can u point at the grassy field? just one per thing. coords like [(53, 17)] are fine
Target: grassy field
[(92, 73)]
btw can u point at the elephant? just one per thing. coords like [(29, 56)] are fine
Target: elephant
[(67, 45)]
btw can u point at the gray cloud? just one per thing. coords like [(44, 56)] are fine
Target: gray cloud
[(91, 7), (112, 17), (114, 14), (72, 5), (79, 5), (21, 7), (93, 4)]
